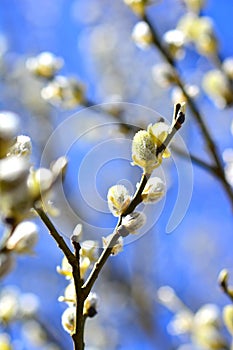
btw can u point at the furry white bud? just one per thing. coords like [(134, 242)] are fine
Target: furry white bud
[(133, 221), (118, 199), (24, 238)]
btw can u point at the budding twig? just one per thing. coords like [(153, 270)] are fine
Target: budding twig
[(178, 120), (136, 200), (210, 143), (83, 291), (73, 260)]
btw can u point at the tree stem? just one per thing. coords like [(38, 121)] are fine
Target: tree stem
[(73, 259), (78, 336), (210, 143)]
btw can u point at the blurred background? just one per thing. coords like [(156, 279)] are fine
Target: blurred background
[(93, 38)]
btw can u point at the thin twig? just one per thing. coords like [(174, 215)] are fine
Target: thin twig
[(101, 261), (195, 111), (54, 233), (78, 335), (136, 200), (125, 127), (196, 160), (108, 249), (73, 260)]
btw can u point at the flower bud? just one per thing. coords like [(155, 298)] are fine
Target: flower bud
[(186, 25), (133, 221), (194, 26), (65, 269), (5, 342), (64, 92), (154, 190), (138, 6), (228, 317), (229, 172), (177, 95), (144, 151), (118, 199), (68, 319), (209, 338), (16, 201), (117, 248), (207, 44), (69, 294), (90, 305), (181, 323), (89, 250), (22, 147), (44, 65), (39, 182), (142, 35), (167, 296), (174, 40), (77, 233), (217, 88), (208, 315), (59, 166), (24, 238), (199, 30), (194, 5), (28, 305), (228, 67), (13, 172), (85, 263), (9, 126), (159, 132), (228, 159), (164, 75), (9, 304)]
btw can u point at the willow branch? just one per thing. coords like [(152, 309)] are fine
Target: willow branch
[(196, 160), (78, 335), (108, 249), (54, 233), (100, 263), (195, 111), (136, 200), (73, 260), (130, 128), (125, 127)]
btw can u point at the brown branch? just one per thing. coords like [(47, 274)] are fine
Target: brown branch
[(73, 260), (210, 143), (100, 263), (108, 249), (136, 200), (78, 335), (56, 236), (196, 160)]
